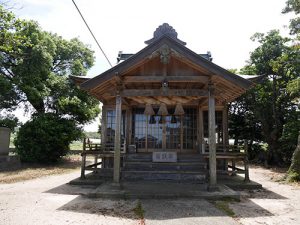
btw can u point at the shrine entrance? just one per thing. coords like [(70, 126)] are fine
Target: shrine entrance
[(171, 132)]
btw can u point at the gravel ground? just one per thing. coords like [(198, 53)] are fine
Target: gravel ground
[(276, 203), (49, 200)]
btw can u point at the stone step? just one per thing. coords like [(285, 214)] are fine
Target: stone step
[(189, 176), (147, 157), (190, 166)]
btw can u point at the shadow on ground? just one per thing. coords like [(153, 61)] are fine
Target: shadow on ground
[(67, 189), (262, 194), (106, 207), (157, 209)]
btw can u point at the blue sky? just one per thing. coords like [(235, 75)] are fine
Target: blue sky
[(222, 27)]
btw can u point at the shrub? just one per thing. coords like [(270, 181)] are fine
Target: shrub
[(45, 138), (294, 170)]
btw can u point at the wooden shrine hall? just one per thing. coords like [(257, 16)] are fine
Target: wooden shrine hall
[(164, 114)]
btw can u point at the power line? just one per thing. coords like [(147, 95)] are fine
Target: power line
[(91, 33)]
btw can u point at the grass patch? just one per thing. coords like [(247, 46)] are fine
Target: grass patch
[(30, 171), (76, 145), (293, 176), (223, 205), (139, 211)]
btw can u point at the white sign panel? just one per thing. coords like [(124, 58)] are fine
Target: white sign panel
[(164, 157)]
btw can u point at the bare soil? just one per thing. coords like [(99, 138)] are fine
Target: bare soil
[(276, 203), (49, 200), (29, 171)]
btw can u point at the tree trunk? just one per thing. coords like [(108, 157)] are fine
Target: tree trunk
[(294, 170), (274, 157)]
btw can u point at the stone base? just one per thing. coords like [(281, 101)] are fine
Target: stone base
[(160, 190), (9, 162), (213, 188)]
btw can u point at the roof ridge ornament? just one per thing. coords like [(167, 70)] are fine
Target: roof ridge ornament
[(164, 29)]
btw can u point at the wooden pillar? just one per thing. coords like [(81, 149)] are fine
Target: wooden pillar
[(96, 162), (104, 160), (146, 132), (225, 133), (164, 133), (117, 147), (103, 126), (181, 132), (246, 163), (225, 128), (201, 131), (212, 138), (128, 126), (83, 160)]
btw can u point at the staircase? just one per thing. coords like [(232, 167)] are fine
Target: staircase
[(188, 168)]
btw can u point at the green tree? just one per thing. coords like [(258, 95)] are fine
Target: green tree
[(34, 70), (268, 112), (276, 60), (10, 41), (292, 129), (293, 6)]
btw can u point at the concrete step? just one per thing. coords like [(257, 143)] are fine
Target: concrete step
[(189, 176), (189, 166), (147, 157)]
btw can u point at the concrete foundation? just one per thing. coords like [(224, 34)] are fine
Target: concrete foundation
[(161, 190), (227, 187), (9, 162)]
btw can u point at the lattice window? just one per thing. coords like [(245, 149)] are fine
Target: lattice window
[(173, 132), (139, 128), (189, 128), (154, 132)]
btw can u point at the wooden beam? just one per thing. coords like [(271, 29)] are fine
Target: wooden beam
[(125, 101), (203, 101), (160, 78), (138, 100), (159, 92)]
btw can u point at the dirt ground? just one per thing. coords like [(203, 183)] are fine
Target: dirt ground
[(29, 171), (49, 200), (276, 203)]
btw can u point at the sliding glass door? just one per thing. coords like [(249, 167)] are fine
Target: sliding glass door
[(164, 133)]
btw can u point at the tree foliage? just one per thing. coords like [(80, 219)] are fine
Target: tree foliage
[(34, 70), (293, 6), (271, 109), (35, 66)]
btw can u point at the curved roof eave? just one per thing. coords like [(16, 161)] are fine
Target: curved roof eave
[(181, 49)]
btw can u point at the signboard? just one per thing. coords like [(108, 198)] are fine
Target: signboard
[(164, 157)]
